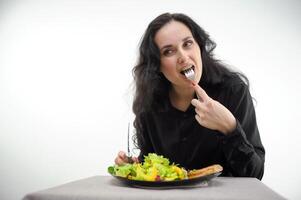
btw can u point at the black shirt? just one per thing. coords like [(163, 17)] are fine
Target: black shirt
[(178, 136)]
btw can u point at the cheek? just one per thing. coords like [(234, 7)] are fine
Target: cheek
[(198, 56), (167, 65)]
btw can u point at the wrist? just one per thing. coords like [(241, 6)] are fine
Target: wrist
[(229, 126)]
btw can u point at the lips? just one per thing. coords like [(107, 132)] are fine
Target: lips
[(186, 69)]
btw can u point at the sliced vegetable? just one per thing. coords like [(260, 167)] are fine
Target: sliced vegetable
[(154, 168)]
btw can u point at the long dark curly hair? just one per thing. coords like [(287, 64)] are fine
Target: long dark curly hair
[(151, 87)]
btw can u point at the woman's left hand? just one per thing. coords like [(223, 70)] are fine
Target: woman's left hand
[(212, 114)]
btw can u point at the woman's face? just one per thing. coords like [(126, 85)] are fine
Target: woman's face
[(178, 51)]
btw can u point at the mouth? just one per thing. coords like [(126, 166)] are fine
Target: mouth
[(188, 70)]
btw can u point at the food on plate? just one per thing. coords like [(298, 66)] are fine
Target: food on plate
[(157, 168), (154, 168), (204, 171)]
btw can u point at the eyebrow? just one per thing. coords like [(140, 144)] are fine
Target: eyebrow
[(169, 45)]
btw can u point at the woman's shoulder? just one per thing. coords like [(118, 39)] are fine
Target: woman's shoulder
[(236, 92), (235, 84)]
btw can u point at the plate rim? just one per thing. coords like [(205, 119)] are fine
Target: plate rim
[(183, 182)]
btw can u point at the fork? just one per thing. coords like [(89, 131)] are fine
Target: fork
[(189, 73), (129, 155)]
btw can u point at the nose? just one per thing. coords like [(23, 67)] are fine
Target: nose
[(182, 57)]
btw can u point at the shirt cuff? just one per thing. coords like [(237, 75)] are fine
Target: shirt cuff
[(236, 137)]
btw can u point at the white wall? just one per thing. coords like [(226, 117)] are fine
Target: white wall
[(65, 75)]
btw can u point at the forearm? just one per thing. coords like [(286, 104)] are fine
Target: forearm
[(243, 158)]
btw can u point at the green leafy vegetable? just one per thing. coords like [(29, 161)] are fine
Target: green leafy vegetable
[(154, 168)]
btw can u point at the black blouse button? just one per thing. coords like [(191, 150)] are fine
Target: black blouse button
[(184, 139)]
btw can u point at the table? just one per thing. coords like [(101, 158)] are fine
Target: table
[(107, 187)]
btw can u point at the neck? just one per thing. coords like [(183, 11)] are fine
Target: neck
[(180, 98)]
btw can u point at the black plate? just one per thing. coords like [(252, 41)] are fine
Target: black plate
[(185, 182)]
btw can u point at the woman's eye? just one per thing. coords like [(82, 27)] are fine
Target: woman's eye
[(188, 43), (167, 52)]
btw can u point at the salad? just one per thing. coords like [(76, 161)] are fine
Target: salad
[(154, 168)]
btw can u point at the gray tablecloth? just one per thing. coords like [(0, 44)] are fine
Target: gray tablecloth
[(107, 187)]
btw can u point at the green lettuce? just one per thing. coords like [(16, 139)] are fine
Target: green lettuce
[(154, 168)]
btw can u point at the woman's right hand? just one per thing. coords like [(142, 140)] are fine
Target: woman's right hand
[(122, 158)]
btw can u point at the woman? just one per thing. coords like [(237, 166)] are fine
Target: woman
[(195, 123)]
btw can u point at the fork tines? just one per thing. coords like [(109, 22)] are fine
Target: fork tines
[(189, 73)]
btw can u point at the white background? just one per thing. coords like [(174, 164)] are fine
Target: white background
[(65, 83)]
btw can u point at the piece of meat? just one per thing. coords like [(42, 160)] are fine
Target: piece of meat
[(212, 169)]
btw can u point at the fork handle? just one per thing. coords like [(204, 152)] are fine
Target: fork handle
[(129, 159)]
